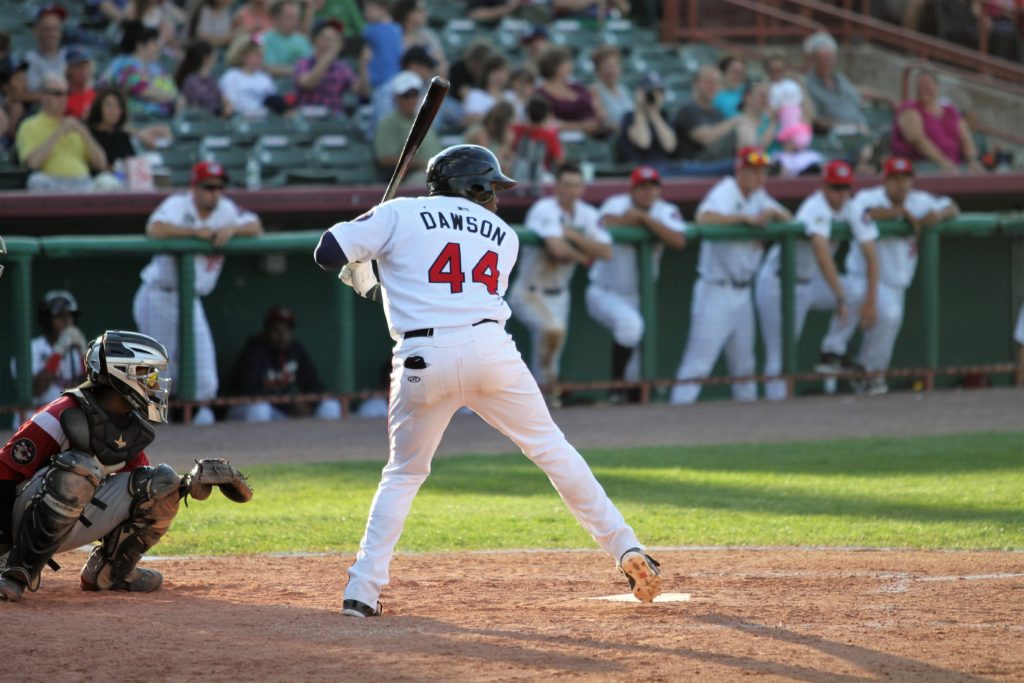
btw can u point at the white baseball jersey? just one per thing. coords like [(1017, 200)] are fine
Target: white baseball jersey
[(180, 210), (1018, 331), (71, 368), (620, 273), (453, 265), (897, 256), (817, 216), (729, 260), (547, 219)]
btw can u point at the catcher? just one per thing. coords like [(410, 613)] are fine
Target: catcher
[(77, 472)]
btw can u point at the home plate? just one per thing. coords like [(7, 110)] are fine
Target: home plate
[(629, 597)]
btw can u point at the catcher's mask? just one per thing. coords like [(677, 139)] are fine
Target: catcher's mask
[(133, 365), (469, 171)]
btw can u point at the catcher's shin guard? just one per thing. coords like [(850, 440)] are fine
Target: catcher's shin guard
[(113, 565), (49, 516)]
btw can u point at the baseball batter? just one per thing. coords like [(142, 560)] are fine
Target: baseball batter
[(895, 199), (203, 212), (444, 264), (613, 296), (722, 312), (540, 295), (818, 286)]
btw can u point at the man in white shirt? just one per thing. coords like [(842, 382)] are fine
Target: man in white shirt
[(540, 297), (818, 286), (894, 199), (203, 212), (48, 57), (722, 313), (613, 297)]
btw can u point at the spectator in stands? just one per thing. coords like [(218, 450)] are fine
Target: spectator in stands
[(284, 44), (931, 129), (491, 11), (836, 100), (571, 104), (275, 364), (253, 17), (417, 60), (107, 120), (608, 89), (1000, 27), (211, 22), (613, 296), (113, 11), (521, 84), (12, 96), (58, 149), (196, 82), (571, 234), (383, 37), (204, 213), (537, 147), (246, 85), (411, 15), (322, 79), (779, 80), (394, 128), (136, 71), (535, 42), (590, 9), (163, 17), (347, 12), (495, 132), (489, 90), (722, 311), (646, 136), (705, 137), (57, 356), (6, 59), (79, 75), (48, 57), (734, 84), (756, 127)]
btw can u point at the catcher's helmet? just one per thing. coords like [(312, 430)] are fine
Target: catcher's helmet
[(54, 303), (469, 171), (132, 365)]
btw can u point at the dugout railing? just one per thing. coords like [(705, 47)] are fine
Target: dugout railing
[(23, 252)]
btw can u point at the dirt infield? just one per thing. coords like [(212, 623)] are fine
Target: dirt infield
[(772, 614)]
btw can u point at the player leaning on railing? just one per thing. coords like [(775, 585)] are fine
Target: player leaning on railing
[(77, 472)]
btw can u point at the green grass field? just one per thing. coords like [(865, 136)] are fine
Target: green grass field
[(948, 492)]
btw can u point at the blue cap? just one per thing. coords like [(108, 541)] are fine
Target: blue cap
[(77, 55)]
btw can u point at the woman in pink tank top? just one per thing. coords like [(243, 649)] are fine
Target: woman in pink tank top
[(929, 129)]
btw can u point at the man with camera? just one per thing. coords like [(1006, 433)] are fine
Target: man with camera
[(646, 136)]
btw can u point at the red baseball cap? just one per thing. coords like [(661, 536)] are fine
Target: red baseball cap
[(55, 9), (205, 170), (752, 157), (644, 174), (280, 314), (898, 166), (838, 172)]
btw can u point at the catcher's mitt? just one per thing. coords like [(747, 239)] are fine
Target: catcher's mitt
[(216, 472)]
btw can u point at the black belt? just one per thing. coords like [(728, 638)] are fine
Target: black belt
[(735, 284), (429, 331), (549, 292)]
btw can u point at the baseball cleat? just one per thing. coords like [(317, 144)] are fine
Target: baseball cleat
[(354, 608), (138, 581), (642, 573), (11, 589), (829, 363)]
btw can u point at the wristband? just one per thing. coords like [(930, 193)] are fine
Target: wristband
[(52, 364)]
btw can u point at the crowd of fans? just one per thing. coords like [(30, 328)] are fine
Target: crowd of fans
[(370, 63)]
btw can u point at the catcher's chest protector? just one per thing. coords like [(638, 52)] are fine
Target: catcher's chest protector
[(90, 429)]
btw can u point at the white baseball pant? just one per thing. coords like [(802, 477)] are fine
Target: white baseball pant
[(880, 339), (814, 294), (156, 314), (621, 315), (478, 367), (721, 316), (547, 317)]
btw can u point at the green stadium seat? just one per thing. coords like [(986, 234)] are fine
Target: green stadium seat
[(195, 129), (365, 175), (179, 154), (311, 176), (247, 130), (274, 159)]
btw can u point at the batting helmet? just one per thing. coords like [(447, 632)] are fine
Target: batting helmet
[(132, 365), (56, 302), (469, 171)]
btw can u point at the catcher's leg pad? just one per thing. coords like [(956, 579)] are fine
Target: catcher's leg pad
[(50, 514), (113, 565)]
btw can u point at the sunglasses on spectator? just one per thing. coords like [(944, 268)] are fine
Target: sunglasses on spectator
[(213, 188)]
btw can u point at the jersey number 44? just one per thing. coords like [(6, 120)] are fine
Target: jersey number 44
[(447, 269)]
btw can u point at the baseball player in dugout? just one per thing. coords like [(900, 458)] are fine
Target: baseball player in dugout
[(571, 235), (77, 472), (203, 212), (722, 312), (613, 296), (818, 285), (896, 200), (444, 263), (56, 355)]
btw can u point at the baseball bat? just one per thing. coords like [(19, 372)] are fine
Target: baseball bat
[(425, 115)]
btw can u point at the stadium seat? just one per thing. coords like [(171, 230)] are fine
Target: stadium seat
[(243, 129), (311, 176), (195, 129), (178, 154)]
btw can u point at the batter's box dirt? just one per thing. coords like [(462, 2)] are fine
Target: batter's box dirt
[(775, 614)]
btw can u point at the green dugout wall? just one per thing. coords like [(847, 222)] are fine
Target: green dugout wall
[(980, 280)]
